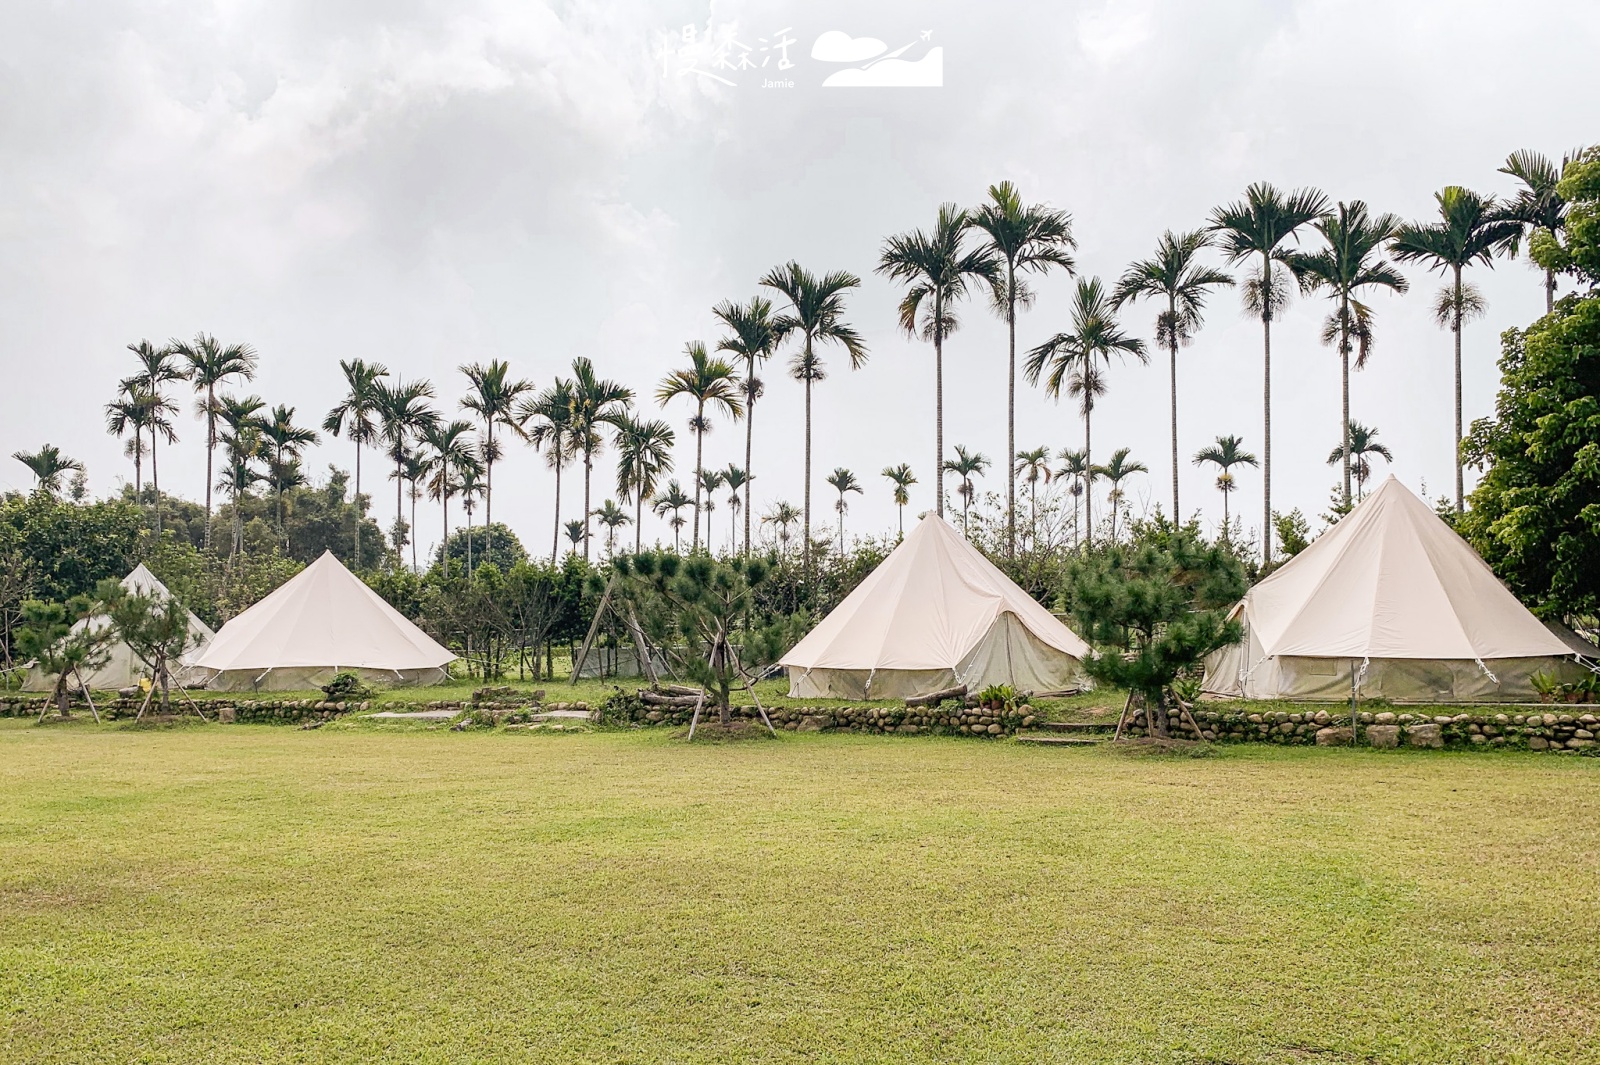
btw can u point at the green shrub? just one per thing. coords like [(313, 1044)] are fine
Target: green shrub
[(347, 687)]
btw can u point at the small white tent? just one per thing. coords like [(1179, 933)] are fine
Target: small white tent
[(124, 669), (322, 621), (1393, 601), (934, 614)]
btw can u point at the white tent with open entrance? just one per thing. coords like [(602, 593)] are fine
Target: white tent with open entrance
[(322, 621), (934, 614), (124, 669), (1391, 604)]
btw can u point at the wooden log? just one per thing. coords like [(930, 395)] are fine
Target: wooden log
[(935, 698), (650, 698), (677, 689)]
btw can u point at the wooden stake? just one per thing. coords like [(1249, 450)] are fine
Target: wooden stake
[(695, 720), (594, 627), (1123, 717), (87, 697), (144, 705)]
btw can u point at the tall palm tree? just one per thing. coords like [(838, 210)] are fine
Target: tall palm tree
[(131, 412), (546, 422), (966, 467), (1115, 471), (752, 337), (612, 517), (577, 533), (403, 415), (1023, 239), (1359, 442), (471, 490), (1261, 226), (595, 402), (242, 448), (707, 483), (673, 500), (816, 315), (447, 449), (492, 396), (843, 481), (735, 478), (286, 442), (1033, 466), (938, 269), (1075, 470), (48, 465), (1351, 263), (353, 417), (1225, 454), (782, 515), (644, 455), (706, 380), (158, 367), (1470, 229), (902, 478), (1173, 275), (211, 364), (1077, 359), (1538, 205)]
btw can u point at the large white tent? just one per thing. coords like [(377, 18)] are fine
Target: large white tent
[(322, 621), (1393, 602), (934, 614), (124, 669)]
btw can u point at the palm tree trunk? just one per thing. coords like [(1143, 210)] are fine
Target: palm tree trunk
[(1266, 421), (399, 506), (155, 478), (211, 446), (938, 405), (902, 510), (749, 437), (1225, 519), (1344, 384), (1172, 352), (807, 549), (699, 445), (638, 520), (357, 502), (555, 535), (1456, 454), (1011, 409), (1549, 292), (588, 468), (1088, 478), (413, 527), (488, 474)]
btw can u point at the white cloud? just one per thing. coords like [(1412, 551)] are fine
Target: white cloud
[(836, 46), (927, 72)]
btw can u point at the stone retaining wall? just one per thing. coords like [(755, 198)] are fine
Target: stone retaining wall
[(1530, 730), (269, 711), (949, 720)]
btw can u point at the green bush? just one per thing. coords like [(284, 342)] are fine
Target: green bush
[(347, 687)]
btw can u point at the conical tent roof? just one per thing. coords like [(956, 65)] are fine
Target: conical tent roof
[(927, 606), (122, 667), (325, 617), (1392, 580)]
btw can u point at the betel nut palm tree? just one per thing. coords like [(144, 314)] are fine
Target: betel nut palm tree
[(1260, 226), (1175, 276), (815, 316), (1023, 239)]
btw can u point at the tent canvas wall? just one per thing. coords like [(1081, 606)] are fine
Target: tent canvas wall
[(1393, 601), (124, 669), (322, 621), (934, 614)]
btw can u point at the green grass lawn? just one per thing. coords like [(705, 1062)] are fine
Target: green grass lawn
[(248, 893)]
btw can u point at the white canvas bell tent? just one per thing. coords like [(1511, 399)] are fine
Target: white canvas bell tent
[(124, 669), (1392, 601), (934, 614), (322, 621)]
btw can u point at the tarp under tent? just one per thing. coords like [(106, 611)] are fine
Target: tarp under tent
[(1393, 604), (934, 614), (124, 669), (322, 621)]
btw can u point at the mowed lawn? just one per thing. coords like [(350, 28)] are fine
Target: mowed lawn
[(247, 893)]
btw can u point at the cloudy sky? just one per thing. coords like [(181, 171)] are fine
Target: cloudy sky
[(430, 183)]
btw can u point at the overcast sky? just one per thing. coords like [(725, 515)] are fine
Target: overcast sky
[(431, 183)]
